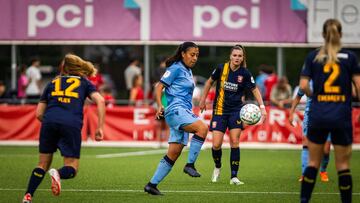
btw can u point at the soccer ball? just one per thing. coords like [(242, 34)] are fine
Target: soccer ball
[(250, 114)]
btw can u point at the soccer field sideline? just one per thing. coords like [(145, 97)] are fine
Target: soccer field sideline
[(181, 191), (155, 144)]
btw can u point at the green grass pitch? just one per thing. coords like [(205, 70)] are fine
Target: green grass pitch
[(269, 176)]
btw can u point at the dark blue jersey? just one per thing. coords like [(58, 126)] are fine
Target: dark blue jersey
[(331, 100), (230, 88), (65, 98)]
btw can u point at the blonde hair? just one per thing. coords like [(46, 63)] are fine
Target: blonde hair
[(74, 65), (331, 34)]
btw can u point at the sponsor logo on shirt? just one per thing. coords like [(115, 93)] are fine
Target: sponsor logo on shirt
[(166, 74)]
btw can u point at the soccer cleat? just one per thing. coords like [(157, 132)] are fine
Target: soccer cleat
[(324, 176), (235, 181), (191, 171), (301, 178), (27, 198), (152, 190), (215, 175), (55, 182)]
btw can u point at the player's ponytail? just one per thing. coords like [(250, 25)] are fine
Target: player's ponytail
[(177, 56), (74, 65), (332, 35)]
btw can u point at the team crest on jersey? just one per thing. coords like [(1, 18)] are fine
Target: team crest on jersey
[(213, 124), (166, 74), (240, 78)]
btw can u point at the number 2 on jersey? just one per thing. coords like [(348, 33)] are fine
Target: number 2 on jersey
[(328, 85), (69, 91)]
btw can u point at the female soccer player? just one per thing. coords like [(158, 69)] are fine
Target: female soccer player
[(179, 85), (305, 152), (232, 79), (331, 69), (60, 112)]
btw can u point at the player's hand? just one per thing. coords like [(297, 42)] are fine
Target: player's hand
[(160, 113), (202, 106), (291, 119), (99, 134)]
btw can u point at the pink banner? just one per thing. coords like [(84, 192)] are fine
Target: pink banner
[(196, 20), (138, 124)]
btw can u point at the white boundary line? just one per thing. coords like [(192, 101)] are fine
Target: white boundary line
[(127, 154), (182, 191), (156, 144)]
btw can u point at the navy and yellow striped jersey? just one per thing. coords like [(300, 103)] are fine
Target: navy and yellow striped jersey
[(331, 99), (65, 96), (230, 88)]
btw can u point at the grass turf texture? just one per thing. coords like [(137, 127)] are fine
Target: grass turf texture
[(269, 176)]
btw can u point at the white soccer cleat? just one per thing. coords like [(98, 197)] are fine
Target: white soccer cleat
[(235, 181), (55, 182), (215, 175)]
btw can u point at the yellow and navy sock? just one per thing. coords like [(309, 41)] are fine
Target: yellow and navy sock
[(345, 185), (304, 158), (37, 175), (307, 185), (324, 162), (234, 161), (216, 154), (67, 172)]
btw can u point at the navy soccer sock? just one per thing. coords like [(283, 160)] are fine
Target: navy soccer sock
[(216, 154), (234, 161), (324, 162), (67, 172), (37, 175), (307, 185), (345, 185)]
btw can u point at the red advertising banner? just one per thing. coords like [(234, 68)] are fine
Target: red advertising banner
[(138, 124)]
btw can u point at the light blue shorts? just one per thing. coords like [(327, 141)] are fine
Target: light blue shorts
[(305, 127), (177, 118)]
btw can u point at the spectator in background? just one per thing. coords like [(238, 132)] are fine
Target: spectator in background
[(106, 92), (269, 82), (34, 75), (130, 72), (4, 94), (137, 91), (159, 71), (22, 82), (260, 79), (97, 79), (281, 93)]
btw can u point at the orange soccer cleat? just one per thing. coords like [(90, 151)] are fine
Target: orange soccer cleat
[(324, 176)]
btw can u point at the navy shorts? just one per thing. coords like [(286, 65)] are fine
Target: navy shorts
[(221, 122), (339, 136), (66, 138)]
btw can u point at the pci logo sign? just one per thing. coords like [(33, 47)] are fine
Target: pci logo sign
[(66, 16)]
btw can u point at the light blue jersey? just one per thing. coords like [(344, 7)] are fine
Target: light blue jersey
[(179, 86), (307, 110)]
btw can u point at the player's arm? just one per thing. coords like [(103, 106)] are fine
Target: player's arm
[(294, 104), (133, 93), (206, 90), (304, 85), (40, 110), (100, 103), (158, 93), (356, 79), (257, 95)]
